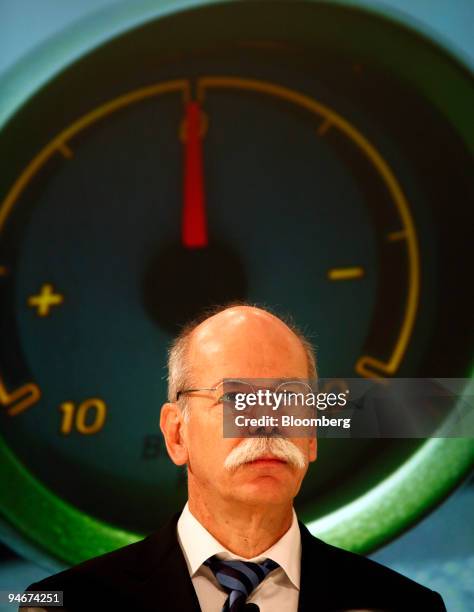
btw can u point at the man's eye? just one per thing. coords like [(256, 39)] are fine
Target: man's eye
[(229, 397)]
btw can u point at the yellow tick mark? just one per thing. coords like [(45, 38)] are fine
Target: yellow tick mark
[(398, 235), (65, 150), (45, 300), (324, 127), (3, 271), (345, 273)]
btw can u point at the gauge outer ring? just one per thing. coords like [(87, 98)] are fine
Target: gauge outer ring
[(55, 530)]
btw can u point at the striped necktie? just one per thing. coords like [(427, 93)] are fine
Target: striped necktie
[(239, 578)]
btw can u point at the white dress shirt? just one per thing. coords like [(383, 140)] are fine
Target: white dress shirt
[(278, 591)]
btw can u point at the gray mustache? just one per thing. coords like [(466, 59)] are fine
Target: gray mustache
[(254, 448)]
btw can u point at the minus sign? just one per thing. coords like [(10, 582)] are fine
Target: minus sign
[(345, 273)]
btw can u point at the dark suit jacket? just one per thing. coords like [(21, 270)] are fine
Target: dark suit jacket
[(151, 575)]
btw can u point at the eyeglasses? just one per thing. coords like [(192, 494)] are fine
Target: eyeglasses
[(234, 387), (221, 399)]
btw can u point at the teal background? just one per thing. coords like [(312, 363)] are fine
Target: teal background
[(27, 23), (439, 551)]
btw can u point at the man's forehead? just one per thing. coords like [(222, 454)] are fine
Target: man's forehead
[(246, 342), (232, 322)]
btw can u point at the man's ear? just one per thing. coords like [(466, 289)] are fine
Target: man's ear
[(313, 449), (171, 425)]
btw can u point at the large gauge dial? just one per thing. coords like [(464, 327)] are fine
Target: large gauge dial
[(267, 162)]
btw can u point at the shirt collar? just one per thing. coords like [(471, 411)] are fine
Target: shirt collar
[(198, 545)]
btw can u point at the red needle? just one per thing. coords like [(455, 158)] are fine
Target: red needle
[(194, 223)]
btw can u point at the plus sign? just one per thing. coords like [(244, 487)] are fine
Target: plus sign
[(45, 299)]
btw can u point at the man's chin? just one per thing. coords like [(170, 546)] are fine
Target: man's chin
[(267, 473), (264, 489)]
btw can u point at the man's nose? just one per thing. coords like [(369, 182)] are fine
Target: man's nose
[(267, 432), (266, 426)]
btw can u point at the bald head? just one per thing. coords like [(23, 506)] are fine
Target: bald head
[(248, 342), (240, 341)]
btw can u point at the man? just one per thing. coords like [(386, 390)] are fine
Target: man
[(237, 544)]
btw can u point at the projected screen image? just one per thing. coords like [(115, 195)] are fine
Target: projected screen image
[(308, 163)]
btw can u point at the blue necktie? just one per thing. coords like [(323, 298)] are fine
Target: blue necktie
[(239, 579)]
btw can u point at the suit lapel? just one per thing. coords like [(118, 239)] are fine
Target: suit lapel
[(165, 583), (315, 583)]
